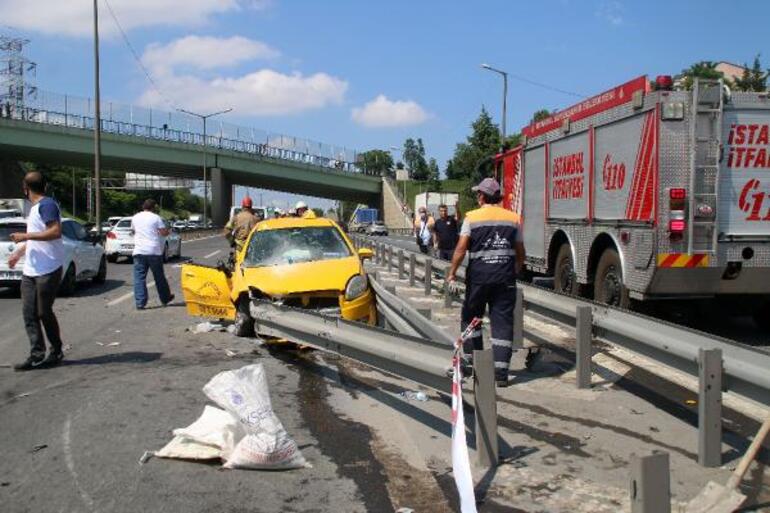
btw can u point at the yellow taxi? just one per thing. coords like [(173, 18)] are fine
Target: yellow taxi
[(299, 262)]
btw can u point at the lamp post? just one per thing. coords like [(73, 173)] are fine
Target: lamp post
[(97, 125), (205, 117), (505, 97)]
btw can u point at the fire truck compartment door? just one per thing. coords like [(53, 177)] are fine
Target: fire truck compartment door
[(568, 177), (534, 196), (744, 178)]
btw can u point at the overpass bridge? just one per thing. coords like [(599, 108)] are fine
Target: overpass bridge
[(59, 129)]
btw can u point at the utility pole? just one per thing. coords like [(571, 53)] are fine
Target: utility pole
[(204, 118), (74, 213), (505, 99), (97, 124)]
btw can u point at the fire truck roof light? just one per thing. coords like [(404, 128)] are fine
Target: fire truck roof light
[(664, 83), (677, 193)]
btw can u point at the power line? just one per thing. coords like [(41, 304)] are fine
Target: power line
[(545, 86), (137, 58)]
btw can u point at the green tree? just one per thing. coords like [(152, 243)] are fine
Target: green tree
[(753, 79), (482, 143), (540, 115), (702, 69), (414, 157), (377, 162)]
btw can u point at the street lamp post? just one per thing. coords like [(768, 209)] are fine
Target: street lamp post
[(505, 98), (205, 117), (97, 125)]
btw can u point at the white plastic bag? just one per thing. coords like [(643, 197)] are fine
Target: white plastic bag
[(215, 427), (243, 392)]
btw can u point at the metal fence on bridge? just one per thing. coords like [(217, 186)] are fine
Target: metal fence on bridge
[(77, 112)]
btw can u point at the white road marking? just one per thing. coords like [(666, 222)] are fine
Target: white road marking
[(69, 460), (127, 295), (213, 253)]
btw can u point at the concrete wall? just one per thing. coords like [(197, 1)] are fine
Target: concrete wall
[(392, 212)]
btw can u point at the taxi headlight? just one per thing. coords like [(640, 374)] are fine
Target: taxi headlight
[(357, 286)]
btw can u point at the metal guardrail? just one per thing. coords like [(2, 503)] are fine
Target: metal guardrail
[(76, 112), (719, 364)]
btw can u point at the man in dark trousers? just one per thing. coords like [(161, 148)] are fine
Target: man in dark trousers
[(492, 237), (43, 253), (445, 233)]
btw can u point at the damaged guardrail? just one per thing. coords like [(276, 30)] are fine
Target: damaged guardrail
[(719, 364)]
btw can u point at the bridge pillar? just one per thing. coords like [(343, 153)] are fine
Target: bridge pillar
[(11, 174), (221, 197)]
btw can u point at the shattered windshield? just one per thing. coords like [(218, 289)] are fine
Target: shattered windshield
[(295, 245)]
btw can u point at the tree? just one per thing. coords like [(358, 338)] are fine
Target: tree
[(414, 157), (702, 69), (483, 142), (540, 115), (377, 163), (753, 79)]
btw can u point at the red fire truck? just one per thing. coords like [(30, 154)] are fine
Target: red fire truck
[(645, 192)]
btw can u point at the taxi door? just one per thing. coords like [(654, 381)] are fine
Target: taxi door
[(206, 292)]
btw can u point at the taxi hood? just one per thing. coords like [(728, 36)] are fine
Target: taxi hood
[(286, 279)]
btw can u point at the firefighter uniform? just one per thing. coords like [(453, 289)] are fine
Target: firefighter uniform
[(490, 280), (240, 226)]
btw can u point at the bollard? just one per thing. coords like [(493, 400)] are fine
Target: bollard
[(389, 256), (518, 320), (583, 335), (485, 404), (650, 484), (400, 264), (428, 275), (447, 295), (710, 407), (412, 265)]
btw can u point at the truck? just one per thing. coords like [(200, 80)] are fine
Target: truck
[(431, 201), (363, 217), (646, 193)]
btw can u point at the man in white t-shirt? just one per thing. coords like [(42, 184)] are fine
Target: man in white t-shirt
[(149, 230), (43, 254)]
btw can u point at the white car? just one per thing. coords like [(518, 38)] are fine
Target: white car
[(83, 257), (120, 242)]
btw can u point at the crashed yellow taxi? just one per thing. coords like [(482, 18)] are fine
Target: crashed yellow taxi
[(304, 263)]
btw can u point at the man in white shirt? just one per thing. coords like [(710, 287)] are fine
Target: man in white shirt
[(149, 230), (43, 254)]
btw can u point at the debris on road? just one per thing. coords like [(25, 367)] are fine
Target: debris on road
[(111, 344), (245, 433), (38, 448), (146, 457), (414, 396), (207, 327), (404, 510)]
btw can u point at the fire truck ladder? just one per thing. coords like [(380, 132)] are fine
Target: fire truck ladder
[(706, 137)]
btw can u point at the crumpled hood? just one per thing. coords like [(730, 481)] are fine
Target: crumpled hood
[(282, 280)]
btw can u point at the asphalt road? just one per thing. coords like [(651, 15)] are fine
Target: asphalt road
[(72, 436)]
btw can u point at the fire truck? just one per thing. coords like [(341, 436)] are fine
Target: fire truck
[(644, 192)]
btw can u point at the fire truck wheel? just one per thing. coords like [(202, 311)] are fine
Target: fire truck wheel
[(608, 282), (564, 272)]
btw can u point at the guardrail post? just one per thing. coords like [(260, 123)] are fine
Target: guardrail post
[(412, 265), (485, 404), (650, 484), (389, 256), (428, 275), (425, 312), (400, 264), (583, 335), (447, 294), (518, 320), (379, 253), (710, 407)]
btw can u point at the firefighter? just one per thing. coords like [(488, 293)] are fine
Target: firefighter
[(303, 211), (491, 235), (237, 230)]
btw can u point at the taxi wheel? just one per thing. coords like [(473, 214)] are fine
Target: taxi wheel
[(244, 324)]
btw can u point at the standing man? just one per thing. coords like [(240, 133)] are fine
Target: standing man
[(423, 230), (445, 233), (237, 230), (149, 231), (492, 235), (43, 252)]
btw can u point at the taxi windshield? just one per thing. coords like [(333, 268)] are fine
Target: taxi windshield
[(295, 245)]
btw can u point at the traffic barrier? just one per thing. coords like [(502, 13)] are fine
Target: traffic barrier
[(742, 369)]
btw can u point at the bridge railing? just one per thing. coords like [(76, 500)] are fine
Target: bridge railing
[(77, 112)]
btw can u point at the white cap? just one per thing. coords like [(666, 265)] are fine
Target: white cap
[(300, 204), (292, 211)]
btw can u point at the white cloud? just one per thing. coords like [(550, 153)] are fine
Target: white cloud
[(611, 11), (382, 112), (75, 18), (205, 53), (261, 93)]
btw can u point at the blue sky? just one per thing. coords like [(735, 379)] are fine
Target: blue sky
[(302, 67)]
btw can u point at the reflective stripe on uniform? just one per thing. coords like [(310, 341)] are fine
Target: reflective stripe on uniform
[(500, 342), (486, 223), (501, 365), (491, 253)]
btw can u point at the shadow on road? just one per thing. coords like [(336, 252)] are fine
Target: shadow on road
[(88, 290), (127, 357)]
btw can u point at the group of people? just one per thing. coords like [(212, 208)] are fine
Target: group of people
[(43, 251), (239, 227), (491, 237)]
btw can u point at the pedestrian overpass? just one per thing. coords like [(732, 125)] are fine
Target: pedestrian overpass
[(58, 129)]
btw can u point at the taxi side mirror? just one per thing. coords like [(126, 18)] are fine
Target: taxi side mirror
[(365, 253)]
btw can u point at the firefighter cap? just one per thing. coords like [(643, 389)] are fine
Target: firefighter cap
[(487, 186)]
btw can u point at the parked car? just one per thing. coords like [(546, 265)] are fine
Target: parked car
[(180, 225), (377, 228), (120, 242), (305, 263), (106, 226)]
